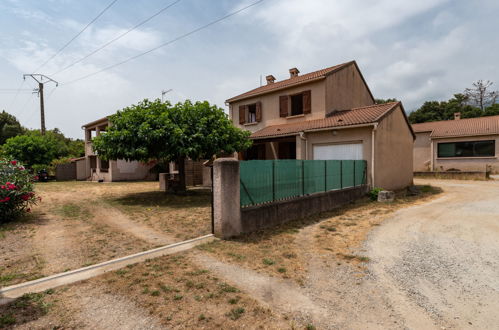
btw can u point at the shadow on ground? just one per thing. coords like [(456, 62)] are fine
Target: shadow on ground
[(25, 309), (192, 198)]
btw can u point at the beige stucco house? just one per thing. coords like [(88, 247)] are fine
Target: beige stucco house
[(327, 114), (92, 168), (461, 144)]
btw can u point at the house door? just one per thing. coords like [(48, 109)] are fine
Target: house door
[(348, 151)]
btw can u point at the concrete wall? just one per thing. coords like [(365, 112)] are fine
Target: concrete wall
[(422, 152), (122, 170), (393, 152), (466, 163), (270, 106), (81, 172), (346, 89), (230, 220)]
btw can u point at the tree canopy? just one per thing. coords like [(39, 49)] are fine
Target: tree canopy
[(33, 148), (155, 130), (9, 126)]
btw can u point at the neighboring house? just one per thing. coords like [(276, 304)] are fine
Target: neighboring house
[(92, 168), (461, 144), (327, 114), (97, 169)]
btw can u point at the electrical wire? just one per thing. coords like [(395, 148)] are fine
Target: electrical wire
[(15, 96), (77, 35), (116, 38), (166, 43)]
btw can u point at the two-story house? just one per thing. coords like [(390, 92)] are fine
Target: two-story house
[(327, 114), (97, 169)]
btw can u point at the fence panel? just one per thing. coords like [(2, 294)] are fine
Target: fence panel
[(264, 181), (287, 178), (333, 175), (314, 176), (360, 172), (347, 171), (256, 182)]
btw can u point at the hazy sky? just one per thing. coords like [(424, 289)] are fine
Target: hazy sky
[(411, 50)]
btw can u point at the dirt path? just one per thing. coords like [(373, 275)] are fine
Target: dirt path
[(440, 261), (120, 221)]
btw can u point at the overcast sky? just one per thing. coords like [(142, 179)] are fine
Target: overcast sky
[(411, 50)]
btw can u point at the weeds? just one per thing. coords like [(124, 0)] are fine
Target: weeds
[(235, 313)]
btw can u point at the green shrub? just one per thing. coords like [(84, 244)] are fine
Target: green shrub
[(16, 190), (373, 194)]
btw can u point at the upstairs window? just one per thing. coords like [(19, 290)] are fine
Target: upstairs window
[(485, 148), (296, 104), (252, 113)]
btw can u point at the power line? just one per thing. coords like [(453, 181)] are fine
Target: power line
[(77, 35), (166, 43), (116, 38), (15, 96)]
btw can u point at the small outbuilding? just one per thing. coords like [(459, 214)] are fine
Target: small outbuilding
[(469, 145)]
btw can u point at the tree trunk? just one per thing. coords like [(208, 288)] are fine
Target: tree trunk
[(181, 175)]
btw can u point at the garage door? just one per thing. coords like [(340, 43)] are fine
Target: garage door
[(349, 151)]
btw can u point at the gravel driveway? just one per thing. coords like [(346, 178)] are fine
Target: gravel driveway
[(438, 263)]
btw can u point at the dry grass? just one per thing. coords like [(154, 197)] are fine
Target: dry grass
[(182, 217), (67, 229), (171, 289), (280, 251)]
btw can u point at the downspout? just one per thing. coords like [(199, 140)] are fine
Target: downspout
[(302, 136), (432, 160), (373, 144)]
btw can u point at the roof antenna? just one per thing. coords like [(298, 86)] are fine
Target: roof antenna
[(260, 80)]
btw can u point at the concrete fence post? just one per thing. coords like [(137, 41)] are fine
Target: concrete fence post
[(226, 204)]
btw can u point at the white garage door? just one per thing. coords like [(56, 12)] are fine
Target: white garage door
[(339, 152)]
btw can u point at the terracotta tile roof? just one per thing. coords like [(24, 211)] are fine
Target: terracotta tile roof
[(290, 82), (355, 116), (461, 127)]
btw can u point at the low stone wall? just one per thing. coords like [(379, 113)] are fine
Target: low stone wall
[(231, 220), (458, 175), (268, 215)]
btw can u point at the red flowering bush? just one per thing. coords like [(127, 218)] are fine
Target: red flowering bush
[(16, 190)]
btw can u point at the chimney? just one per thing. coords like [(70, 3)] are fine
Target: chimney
[(293, 72), (457, 115), (270, 79)]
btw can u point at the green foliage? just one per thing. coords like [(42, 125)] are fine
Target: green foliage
[(383, 101), (32, 148), (156, 130), (373, 194), (444, 110), (9, 127), (16, 190)]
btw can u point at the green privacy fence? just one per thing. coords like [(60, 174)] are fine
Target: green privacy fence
[(264, 181)]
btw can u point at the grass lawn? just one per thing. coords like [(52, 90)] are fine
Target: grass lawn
[(82, 223)]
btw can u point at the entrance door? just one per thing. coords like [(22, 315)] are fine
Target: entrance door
[(349, 151)]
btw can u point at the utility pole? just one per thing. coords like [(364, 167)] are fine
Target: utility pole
[(39, 78), (163, 92)]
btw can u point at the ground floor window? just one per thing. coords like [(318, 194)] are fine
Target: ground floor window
[(485, 148)]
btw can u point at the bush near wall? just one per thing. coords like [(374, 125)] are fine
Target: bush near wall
[(16, 190)]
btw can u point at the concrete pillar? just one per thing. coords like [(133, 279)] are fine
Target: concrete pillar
[(226, 199), (163, 181)]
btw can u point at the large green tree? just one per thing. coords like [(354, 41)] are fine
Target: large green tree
[(444, 110), (9, 126), (160, 131), (33, 148)]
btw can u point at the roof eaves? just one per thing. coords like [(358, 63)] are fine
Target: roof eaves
[(386, 113), (240, 98)]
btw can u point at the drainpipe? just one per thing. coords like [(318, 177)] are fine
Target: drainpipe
[(373, 144), (302, 136)]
